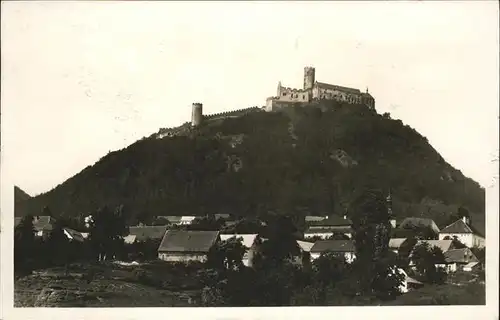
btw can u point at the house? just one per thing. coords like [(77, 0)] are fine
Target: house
[(411, 222), (143, 233), (249, 241), (171, 219), (408, 283), (74, 235), (342, 248), (444, 245), (187, 245), (465, 233), (41, 224), (329, 226), (396, 243), (186, 220), (457, 259), (472, 266)]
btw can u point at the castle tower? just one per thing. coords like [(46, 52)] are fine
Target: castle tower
[(309, 77), (278, 92), (196, 114)]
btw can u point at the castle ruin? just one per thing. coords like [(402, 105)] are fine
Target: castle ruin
[(316, 91), (196, 114), (312, 91)]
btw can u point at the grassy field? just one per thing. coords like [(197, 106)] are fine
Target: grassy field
[(462, 288), (107, 286)]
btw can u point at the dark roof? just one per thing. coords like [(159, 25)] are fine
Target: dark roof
[(333, 246), (463, 255), (326, 229), (424, 222), (460, 227), (188, 241), (339, 88), (333, 221), (147, 232)]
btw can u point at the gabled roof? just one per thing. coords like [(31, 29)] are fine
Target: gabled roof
[(463, 255), (74, 235), (460, 226), (424, 222), (305, 246), (188, 241), (187, 218), (339, 88), (395, 243), (333, 246), (248, 239), (444, 245), (333, 221), (147, 232)]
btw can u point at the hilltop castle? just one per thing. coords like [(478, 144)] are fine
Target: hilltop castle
[(312, 91), (316, 91)]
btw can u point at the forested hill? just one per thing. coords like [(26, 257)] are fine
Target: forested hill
[(303, 160), (20, 195)]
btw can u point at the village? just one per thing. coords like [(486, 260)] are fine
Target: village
[(188, 240)]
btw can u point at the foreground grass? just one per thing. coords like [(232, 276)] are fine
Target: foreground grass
[(104, 286)]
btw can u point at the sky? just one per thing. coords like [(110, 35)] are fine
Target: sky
[(80, 79)]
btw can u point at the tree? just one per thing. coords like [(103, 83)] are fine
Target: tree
[(281, 243), (227, 255), (58, 244), (107, 229), (207, 223), (374, 265), (24, 245), (425, 259), (371, 225)]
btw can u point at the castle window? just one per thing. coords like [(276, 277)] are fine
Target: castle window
[(284, 94), (303, 96)]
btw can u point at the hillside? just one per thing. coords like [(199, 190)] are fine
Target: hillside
[(20, 195), (302, 160)]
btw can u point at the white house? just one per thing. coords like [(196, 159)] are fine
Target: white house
[(328, 227), (408, 282), (457, 259), (464, 232), (249, 241), (185, 220), (343, 248), (185, 246)]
